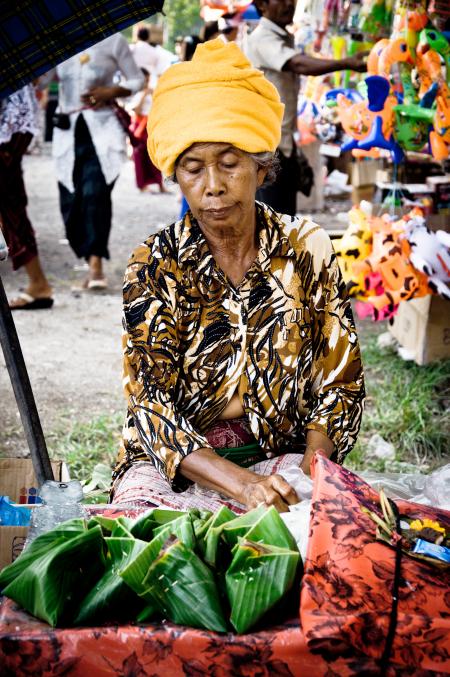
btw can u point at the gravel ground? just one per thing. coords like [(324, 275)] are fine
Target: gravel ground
[(73, 351)]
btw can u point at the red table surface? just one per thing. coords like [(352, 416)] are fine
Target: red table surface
[(30, 647)]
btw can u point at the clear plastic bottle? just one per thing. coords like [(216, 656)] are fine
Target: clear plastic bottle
[(61, 501)]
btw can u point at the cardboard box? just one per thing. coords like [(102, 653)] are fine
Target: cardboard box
[(362, 193), (364, 172), (18, 481), (422, 327)]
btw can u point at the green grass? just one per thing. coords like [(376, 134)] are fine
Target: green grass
[(407, 405), (83, 445)]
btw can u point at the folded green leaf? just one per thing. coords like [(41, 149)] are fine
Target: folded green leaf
[(122, 527), (41, 545), (212, 537), (135, 571), (111, 599), (143, 526), (184, 588), (238, 527), (257, 579), (181, 528), (52, 584), (271, 529)]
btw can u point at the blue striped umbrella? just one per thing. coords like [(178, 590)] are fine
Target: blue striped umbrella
[(36, 35)]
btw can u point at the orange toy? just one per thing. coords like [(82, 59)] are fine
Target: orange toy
[(429, 68), (395, 52), (357, 118), (390, 260), (355, 245), (374, 55)]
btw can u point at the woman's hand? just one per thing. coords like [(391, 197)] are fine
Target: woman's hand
[(209, 470), (100, 96), (269, 490)]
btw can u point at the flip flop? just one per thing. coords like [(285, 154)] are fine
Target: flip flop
[(90, 285), (97, 284), (32, 303)]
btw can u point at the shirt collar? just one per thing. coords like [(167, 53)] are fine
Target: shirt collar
[(273, 240), (273, 27)]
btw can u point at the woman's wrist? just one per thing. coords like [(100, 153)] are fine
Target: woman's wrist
[(211, 471)]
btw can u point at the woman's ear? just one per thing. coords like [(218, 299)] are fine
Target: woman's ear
[(260, 176)]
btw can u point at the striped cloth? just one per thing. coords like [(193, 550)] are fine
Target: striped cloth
[(36, 35), (143, 486)]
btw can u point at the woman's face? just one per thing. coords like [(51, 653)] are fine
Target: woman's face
[(219, 182)]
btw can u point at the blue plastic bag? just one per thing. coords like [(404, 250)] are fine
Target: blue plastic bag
[(11, 515)]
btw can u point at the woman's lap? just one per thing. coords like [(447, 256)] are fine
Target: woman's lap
[(143, 485)]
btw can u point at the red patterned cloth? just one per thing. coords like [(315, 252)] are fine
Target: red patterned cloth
[(30, 648), (344, 611), (346, 598), (232, 432)]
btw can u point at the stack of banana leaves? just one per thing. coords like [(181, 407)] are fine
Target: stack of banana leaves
[(214, 571)]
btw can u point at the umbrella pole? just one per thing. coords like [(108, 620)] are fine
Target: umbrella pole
[(22, 390)]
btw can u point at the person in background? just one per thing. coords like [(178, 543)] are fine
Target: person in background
[(89, 146), (228, 25), (188, 47), (18, 125), (209, 31), (164, 56), (146, 172), (50, 106), (270, 47), (145, 55)]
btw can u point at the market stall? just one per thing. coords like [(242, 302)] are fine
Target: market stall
[(358, 615)]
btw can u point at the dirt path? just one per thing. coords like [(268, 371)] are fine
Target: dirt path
[(73, 351)]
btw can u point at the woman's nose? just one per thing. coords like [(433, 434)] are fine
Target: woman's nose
[(214, 181)]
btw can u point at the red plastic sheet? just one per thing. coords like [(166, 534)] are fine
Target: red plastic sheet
[(346, 597)]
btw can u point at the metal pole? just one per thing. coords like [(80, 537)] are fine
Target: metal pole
[(21, 385)]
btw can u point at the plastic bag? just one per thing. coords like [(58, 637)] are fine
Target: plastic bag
[(432, 490), (11, 515)]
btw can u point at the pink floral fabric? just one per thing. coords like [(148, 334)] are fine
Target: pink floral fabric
[(346, 596)]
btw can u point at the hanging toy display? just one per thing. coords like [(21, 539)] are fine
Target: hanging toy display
[(408, 95), (405, 260)]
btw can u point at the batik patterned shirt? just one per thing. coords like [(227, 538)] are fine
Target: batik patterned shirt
[(284, 340)]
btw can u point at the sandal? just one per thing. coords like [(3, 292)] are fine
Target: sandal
[(31, 302)]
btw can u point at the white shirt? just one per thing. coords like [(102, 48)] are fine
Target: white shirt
[(268, 48), (145, 56), (19, 113), (96, 66)]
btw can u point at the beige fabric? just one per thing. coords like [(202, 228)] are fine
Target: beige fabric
[(269, 47)]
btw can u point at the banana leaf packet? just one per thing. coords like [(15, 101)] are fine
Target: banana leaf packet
[(218, 572)]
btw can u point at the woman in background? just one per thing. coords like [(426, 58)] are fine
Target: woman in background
[(146, 172), (18, 124), (89, 146)]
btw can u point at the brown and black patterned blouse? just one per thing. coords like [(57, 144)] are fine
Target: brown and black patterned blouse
[(284, 339)]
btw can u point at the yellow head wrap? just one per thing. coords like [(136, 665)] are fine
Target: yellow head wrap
[(216, 97)]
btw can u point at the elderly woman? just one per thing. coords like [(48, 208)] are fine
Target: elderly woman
[(241, 356)]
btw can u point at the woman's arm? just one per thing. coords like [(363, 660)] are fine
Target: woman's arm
[(337, 394), (208, 469), (315, 440)]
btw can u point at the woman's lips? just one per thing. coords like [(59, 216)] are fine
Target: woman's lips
[(218, 213)]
